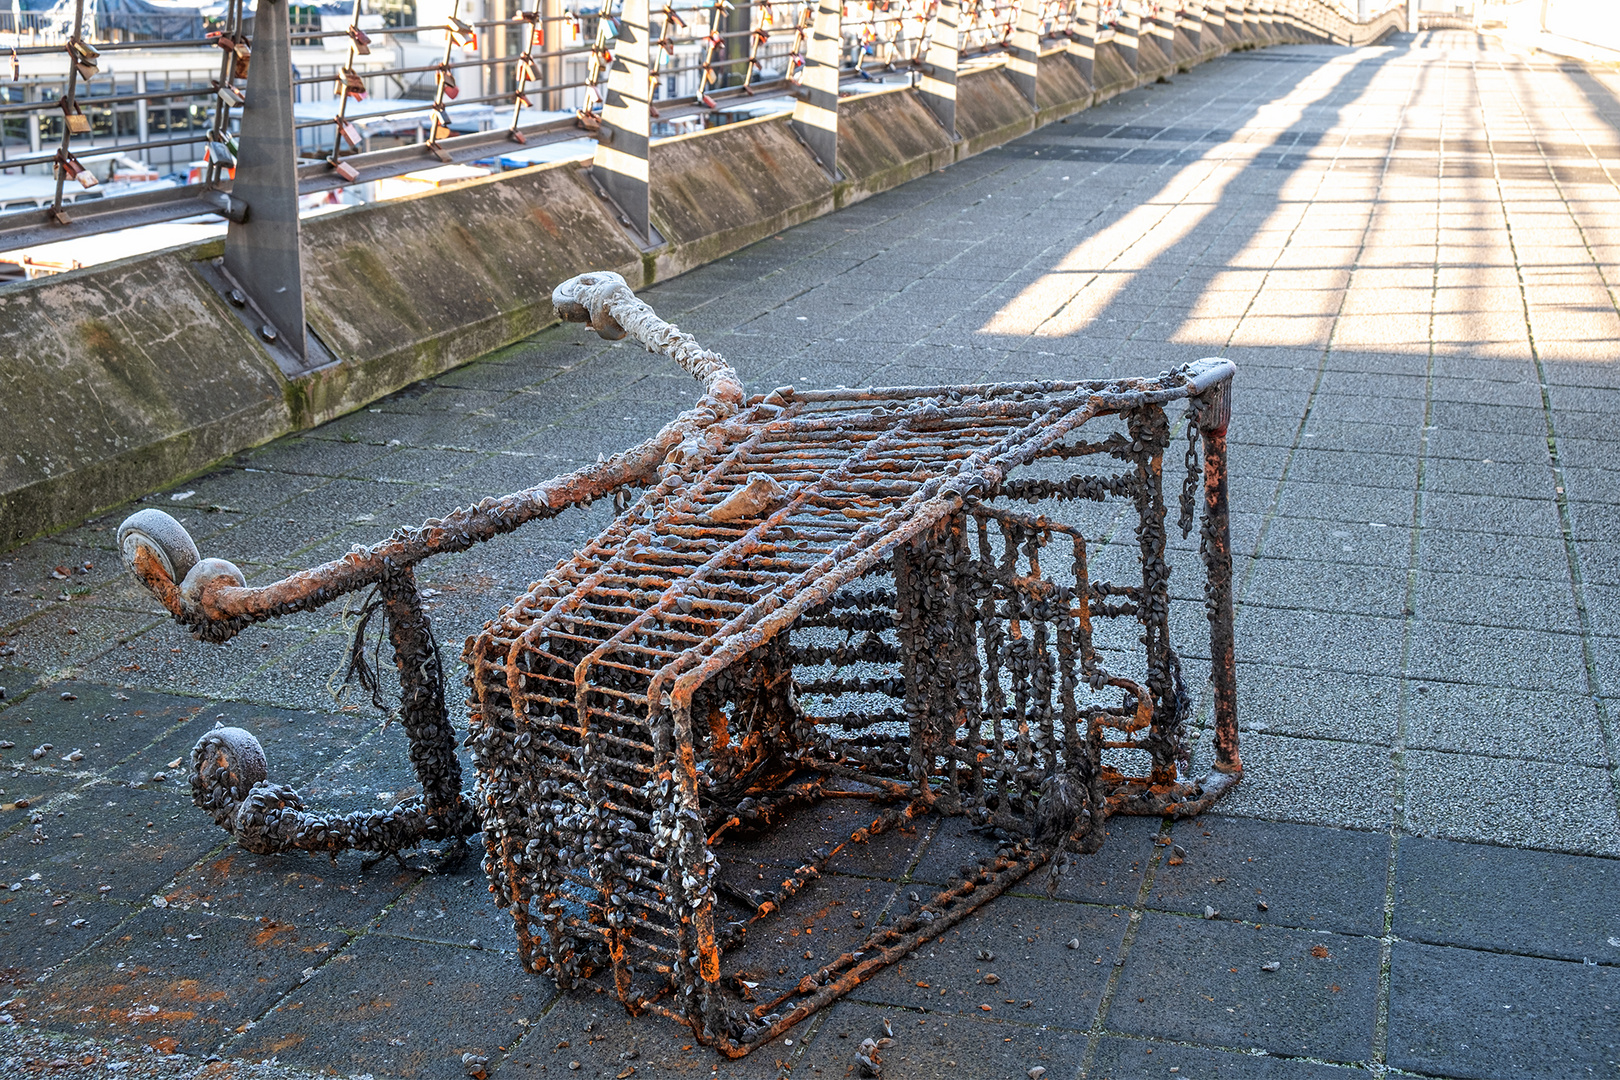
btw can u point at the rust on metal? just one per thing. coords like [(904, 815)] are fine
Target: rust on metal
[(886, 595)]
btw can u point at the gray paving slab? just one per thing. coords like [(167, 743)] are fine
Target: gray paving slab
[(1276, 874), (1312, 703), (1560, 725), (1205, 980), (172, 978), (1339, 502), (1351, 643), (598, 1035), (1557, 906), (1343, 543), (1348, 784), (1547, 1018), (1479, 654), (419, 1007), (1323, 586), (1032, 978), (1519, 516), (1542, 559), (1553, 806), (1113, 876), (1468, 595), (1121, 1058)]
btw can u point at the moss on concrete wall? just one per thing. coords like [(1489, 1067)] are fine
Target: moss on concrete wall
[(719, 190), (1185, 52), (1111, 74), (885, 139), (408, 288), (1060, 89), (118, 379), (990, 111), (1152, 61)]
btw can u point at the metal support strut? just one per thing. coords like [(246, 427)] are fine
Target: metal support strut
[(621, 165), (262, 252), (938, 82), (815, 113)]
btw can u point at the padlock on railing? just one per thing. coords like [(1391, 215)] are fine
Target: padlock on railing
[(350, 84), (463, 34), (216, 152), (86, 60), (77, 122), (71, 167)]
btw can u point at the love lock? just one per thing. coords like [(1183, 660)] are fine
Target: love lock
[(86, 60), (447, 82), (351, 84), (70, 167), (217, 152), (77, 122), (463, 34)]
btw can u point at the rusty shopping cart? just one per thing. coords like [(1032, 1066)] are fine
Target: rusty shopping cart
[(883, 594)]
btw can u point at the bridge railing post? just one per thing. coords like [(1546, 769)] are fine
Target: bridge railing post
[(1083, 42), (620, 165), (1191, 23), (1025, 52), (815, 112), (938, 82), (1164, 28), (1214, 28), (262, 253), (1128, 35)]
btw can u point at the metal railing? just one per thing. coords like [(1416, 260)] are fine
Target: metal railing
[(288, 107)]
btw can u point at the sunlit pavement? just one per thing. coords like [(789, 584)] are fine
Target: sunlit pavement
[(1410, 252)]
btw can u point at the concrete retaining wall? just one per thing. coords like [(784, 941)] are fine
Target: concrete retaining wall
[(1151, 60), (117, 379), (1186, 52), (886, 139), (1111, 72), (131, 376), (990, 111), (1060, 89), (719, 190), (406, 289)]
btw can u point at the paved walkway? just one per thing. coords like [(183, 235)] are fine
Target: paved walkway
[(1411, 253)]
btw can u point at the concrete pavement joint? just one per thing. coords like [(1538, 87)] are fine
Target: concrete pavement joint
[(1400, 821), (1606, 722), (1099, 1023)]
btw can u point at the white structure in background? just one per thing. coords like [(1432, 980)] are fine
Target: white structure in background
[(1582, 29)]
